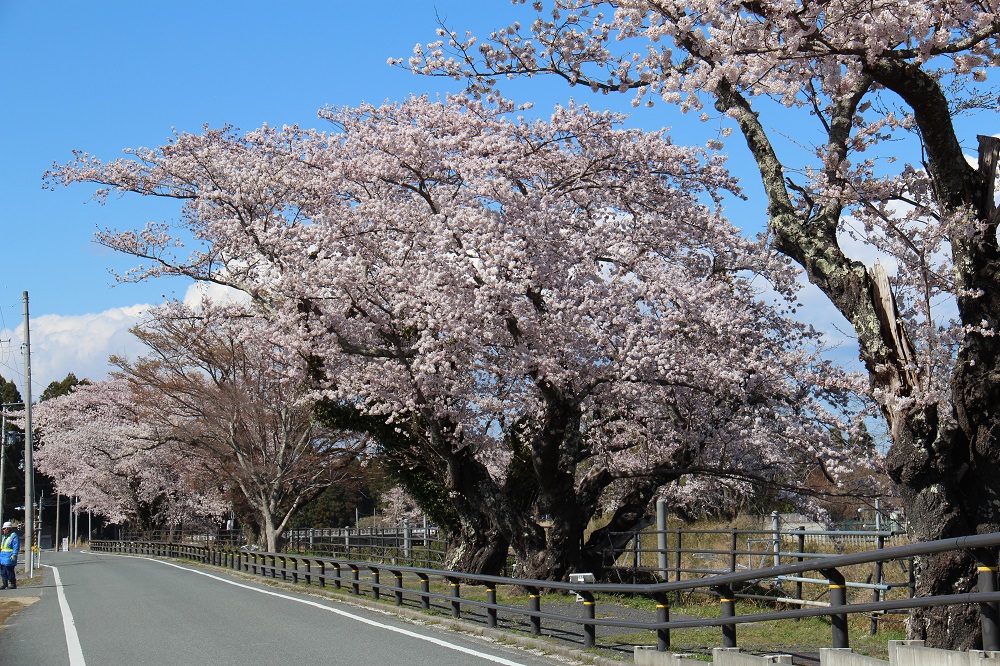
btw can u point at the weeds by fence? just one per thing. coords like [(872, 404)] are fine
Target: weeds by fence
[(682, 554), (653, 555)]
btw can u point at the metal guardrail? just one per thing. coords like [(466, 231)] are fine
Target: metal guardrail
[(413, 545), (679, 554), (325, 572), (666, 548)]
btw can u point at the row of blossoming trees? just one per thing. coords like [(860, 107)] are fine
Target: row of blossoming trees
[(528, 322), (213, 419), (848, 112)]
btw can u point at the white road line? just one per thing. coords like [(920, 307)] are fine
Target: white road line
[(69, 626), (380, 625)]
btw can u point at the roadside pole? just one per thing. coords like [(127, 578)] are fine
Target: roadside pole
[(29, 469)]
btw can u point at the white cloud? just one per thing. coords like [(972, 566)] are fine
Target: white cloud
[(80, 344), (214, 292), (867, 253)]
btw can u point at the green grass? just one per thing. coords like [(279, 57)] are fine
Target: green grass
[(772, 636), (807, 634)]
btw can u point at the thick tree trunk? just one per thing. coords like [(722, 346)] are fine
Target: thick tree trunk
[(491, 519), (944, 456), (268, 534), (606, 544), (946, 461), (937, 486), (477, 550), (554, 552)]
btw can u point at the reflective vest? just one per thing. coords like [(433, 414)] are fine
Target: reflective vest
[(8, 543)]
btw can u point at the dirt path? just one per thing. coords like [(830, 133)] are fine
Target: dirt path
[(9, 606)]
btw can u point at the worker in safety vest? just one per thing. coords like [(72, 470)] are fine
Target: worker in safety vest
[(9, 548)]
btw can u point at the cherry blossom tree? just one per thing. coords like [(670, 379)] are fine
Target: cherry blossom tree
[(878, 81), (533, 319), (217, 385), (95, 444)]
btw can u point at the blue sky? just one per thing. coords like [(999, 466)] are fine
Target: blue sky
[(103, 76)]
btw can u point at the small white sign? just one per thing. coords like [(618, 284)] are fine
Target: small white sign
[(65, 544)]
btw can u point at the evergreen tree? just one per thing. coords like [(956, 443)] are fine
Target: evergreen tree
[(9, 395), (13, 449), (56, 389)]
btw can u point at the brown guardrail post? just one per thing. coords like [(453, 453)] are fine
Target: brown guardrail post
[(589, 613), (988, 611), (355, 579), (838, 597), (376, 592), (398, 575), (456, 594), (425, 587), (677, 560), (535, 604), (877, 593), (732, 550), (322, 573), (662, 615), (491, 598), (336, 573), (728, 609), (802, 548)]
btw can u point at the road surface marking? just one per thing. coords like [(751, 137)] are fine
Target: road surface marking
[(69, 626), (337, 611)]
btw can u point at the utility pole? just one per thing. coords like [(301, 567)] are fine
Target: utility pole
[(3, 458), (29, 470), (39, 530)]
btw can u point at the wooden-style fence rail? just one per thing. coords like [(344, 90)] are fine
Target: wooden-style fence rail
[(340, 574)]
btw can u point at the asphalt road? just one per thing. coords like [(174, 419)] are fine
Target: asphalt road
[(119, 610)]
